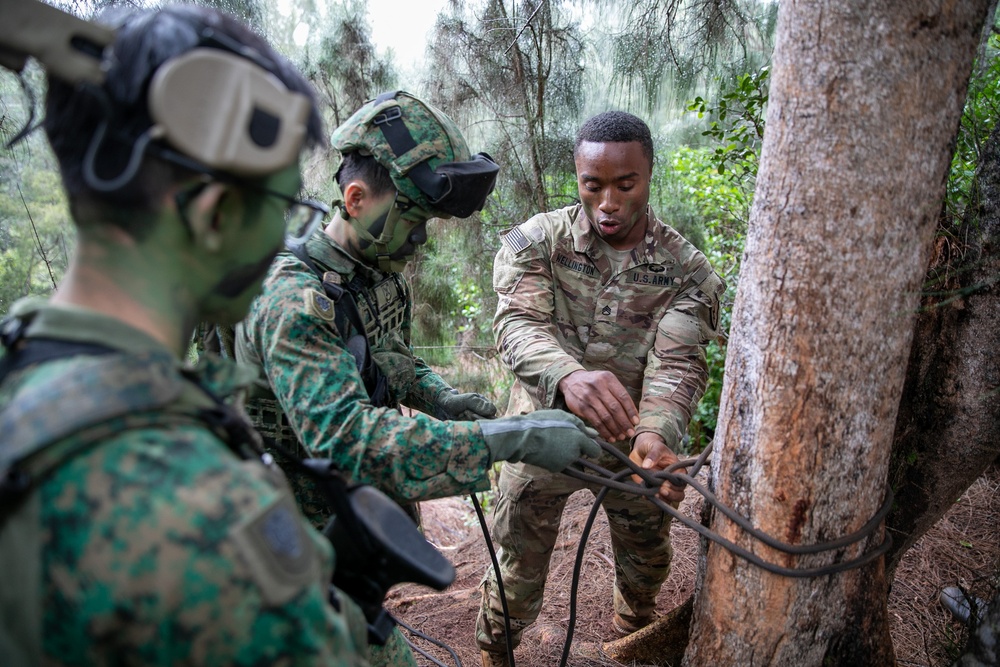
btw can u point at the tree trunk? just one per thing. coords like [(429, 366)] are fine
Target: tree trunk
[(948, 430), (864, 104)]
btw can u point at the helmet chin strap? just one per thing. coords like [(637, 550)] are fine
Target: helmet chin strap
[(388, 220)]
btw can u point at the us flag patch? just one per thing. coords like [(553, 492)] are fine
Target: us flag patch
[(515, 240)]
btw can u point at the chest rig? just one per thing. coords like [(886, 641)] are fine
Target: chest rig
[(382, 306), (364, 315)]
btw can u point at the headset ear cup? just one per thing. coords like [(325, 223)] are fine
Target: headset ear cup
[(228, 113)]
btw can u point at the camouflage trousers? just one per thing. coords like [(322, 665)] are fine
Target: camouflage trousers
[(525, 528), (395, 653)]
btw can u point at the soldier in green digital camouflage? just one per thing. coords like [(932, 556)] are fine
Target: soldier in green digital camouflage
[(331, 330), (138, 522), (606, 310)]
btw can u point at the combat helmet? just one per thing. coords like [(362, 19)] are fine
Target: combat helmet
[(426, 155)]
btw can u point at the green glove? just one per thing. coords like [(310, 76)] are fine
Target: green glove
[(464, 407), (550, 439)]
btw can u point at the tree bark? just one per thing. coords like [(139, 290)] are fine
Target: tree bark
[(948, 430), (864, 105)]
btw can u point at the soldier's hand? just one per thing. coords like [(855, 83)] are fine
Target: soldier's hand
[(600, 399), (650, 452), (465, 407), (551, 439)]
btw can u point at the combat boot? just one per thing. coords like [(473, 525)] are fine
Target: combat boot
[(495, 659), (625, 627)]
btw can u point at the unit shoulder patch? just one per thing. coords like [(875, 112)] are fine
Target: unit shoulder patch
[(280, 555), (318, 304)]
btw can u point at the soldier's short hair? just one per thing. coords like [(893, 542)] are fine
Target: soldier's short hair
[(616, 127), (357, 166), (144, 41)]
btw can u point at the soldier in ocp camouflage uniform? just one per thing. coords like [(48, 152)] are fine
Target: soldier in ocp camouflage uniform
[(327, 393), (138, 524), (602, 308)]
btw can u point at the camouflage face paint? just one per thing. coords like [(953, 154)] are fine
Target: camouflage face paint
[(261, 237), (613, 180)]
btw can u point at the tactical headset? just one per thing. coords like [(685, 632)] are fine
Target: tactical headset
[(216, 104)]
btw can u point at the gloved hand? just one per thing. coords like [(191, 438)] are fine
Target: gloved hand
[(550, 439), (464, 407)]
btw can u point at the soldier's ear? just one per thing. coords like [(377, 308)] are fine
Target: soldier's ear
[(356, 197), (204, 214)]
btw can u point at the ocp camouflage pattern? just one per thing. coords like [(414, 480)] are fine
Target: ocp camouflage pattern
[(308, 370), (560, 310), (563, 308), (159, 546)]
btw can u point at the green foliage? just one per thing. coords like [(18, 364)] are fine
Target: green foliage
[(34, 237), (738, 123), (35, 231), (514, 72), (345, 68), (978, 119), (718, 204), (719, 182), (663, 51)]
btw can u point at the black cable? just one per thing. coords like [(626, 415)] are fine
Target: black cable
[(436, 642), (496, 570), (577, 568), (649, 489), (654, 480)]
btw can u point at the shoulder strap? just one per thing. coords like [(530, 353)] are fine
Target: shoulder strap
[(42, 350), (131, 390), (346, 317), (98, 390)]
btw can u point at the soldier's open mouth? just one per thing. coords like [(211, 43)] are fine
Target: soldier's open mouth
[(608, 226)]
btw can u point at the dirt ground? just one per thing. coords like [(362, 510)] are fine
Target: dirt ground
[(963, 548)]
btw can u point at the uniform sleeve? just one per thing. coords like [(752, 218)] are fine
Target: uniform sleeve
[(676, 370), (316, 381), (174, 552), (524, 326)]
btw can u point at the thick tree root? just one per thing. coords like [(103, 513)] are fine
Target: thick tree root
[(660, 643)]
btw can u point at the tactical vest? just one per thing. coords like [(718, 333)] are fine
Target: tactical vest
[(363, 316), (38, 440)]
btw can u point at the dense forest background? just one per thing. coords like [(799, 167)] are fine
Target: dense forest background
[(519, 77)]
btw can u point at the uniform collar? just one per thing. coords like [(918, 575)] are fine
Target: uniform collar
[(334, 257), (585, 239), (82, 325)]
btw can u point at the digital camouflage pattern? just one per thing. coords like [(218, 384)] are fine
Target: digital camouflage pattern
[(425, 124), (315, 394), (315, 380), (562, 308), (158, 545)]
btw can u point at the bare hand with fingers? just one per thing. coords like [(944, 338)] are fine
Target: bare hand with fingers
[(600, 399), (650, 452)]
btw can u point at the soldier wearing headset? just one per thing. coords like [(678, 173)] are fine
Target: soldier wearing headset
[(138, 523)]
